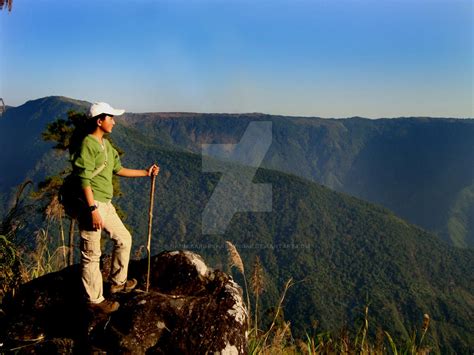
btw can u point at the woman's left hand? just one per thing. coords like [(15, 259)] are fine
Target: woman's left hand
[(153, 170)]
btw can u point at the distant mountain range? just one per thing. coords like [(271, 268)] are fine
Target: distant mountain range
[(348, 252), (420, 168)]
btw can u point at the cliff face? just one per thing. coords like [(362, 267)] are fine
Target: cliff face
[(189, 308)]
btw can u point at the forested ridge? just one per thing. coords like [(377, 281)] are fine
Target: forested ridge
[(347, 253)]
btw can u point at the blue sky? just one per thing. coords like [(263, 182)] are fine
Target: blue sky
[(326, 58)]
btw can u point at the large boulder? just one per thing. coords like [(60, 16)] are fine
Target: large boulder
[(189, 308)]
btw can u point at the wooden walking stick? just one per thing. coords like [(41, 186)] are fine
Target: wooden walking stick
[(150, 219)]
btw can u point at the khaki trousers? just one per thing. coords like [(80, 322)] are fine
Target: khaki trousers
[(90, 252)]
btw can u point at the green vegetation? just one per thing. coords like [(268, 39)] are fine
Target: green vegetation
[(461, 218), (344, 254), (416, 167), (347, 252), (278, 338), (12, 269)]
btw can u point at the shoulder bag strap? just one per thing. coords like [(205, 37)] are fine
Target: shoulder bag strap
[(104, 164)]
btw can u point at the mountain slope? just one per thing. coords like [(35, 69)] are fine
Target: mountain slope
[(348, 252), (416, 167), (21, 145), (413, 166)]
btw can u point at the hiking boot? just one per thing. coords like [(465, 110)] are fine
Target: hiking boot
[(126, 287), (106, 306)]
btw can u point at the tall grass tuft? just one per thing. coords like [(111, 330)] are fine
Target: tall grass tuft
[(236, 260), (424, 327), (12, 267), (257, 284), (234, 257), (55, 211), (279, 308), (43, 260)]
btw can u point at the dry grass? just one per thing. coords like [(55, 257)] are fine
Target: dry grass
[(234, 257), (236, 260), (257, 285)]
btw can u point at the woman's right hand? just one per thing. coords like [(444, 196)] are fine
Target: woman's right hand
[(96, 220)]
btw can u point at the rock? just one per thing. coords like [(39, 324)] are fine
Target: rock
[(190, 308)]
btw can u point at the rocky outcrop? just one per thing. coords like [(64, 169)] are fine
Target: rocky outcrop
[(189, 308)]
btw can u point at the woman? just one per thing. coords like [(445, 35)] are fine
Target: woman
[(95, 162)]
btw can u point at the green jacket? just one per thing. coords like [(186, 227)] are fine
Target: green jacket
[(91, 156)]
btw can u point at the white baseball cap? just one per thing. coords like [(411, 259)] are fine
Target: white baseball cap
[(99, 108)]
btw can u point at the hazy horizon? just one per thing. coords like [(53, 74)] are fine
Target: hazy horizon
[(249, 113), (349, 58)]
